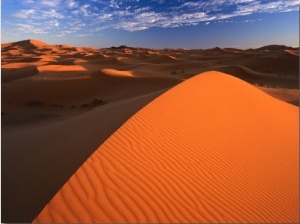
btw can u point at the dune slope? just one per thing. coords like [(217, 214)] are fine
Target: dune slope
[(34, 165), (211, 149)]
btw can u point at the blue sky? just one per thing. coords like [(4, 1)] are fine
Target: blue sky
[(152, 23)]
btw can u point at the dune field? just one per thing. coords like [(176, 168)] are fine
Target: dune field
[(141, 135)]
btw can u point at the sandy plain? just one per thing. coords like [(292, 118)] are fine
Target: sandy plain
[(149, 135)]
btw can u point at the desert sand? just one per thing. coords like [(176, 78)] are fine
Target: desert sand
[(149, 135)]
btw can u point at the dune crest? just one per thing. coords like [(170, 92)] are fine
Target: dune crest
[(113, 72), (59, 68), (47, 89), (211, 149), (31, 43)]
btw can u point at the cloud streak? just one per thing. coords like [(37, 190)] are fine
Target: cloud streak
[(134, 15)]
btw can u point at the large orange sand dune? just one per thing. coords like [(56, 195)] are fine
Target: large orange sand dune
[(212, 149), (59, 103)]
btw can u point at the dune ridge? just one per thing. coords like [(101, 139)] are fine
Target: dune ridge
[(30, 43), (194, 154), (46, 90)]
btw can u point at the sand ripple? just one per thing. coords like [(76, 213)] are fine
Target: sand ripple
[(192, 155)]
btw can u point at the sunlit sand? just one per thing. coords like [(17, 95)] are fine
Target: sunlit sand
[(149, 135)]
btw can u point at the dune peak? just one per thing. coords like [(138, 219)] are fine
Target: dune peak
[(194, 154), (30, 43)]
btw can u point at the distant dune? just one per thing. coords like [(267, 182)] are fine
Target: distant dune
[(149, 135)]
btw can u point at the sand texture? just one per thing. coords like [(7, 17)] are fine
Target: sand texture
[(149, 135), (192, 155)]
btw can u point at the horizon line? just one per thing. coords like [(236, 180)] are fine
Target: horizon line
[(158, 48)]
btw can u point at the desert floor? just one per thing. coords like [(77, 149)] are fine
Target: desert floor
[(149, 135)]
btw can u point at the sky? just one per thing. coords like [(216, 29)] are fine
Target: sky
[(190, 24)]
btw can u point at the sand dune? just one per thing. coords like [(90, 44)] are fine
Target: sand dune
[(40, 149), (192, 155), (59, 68), (293, 52), (217, 50), (162, 59), (291, 96), (127, 60), (137, 72), (259, 78), (114, 72), (9, 75), (28, 44), (59, 103), (274, 47), (73, 91)]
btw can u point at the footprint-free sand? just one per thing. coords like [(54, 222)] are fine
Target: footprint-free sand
[(149, 135)]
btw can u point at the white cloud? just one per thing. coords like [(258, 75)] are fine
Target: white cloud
[(84, 9), (50, 14), (52, 3), (145, 17), (105, 16), (38, 14), (270, 7), (114, 4), (72, 4), (42, 3), (52, 23), (123, 13), (64, 33), (24, 14), (192, 4), (148, 17), (132, 15), (26, 28)]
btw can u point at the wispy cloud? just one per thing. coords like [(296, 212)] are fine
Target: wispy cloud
[(42, 3), (133, 15), (270, 7), (38, 14), (26, 28), (71, 4), (24, 14)]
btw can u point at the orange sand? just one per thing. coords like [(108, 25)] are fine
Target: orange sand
[(59, 68), (212, 149), (50, 125)]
